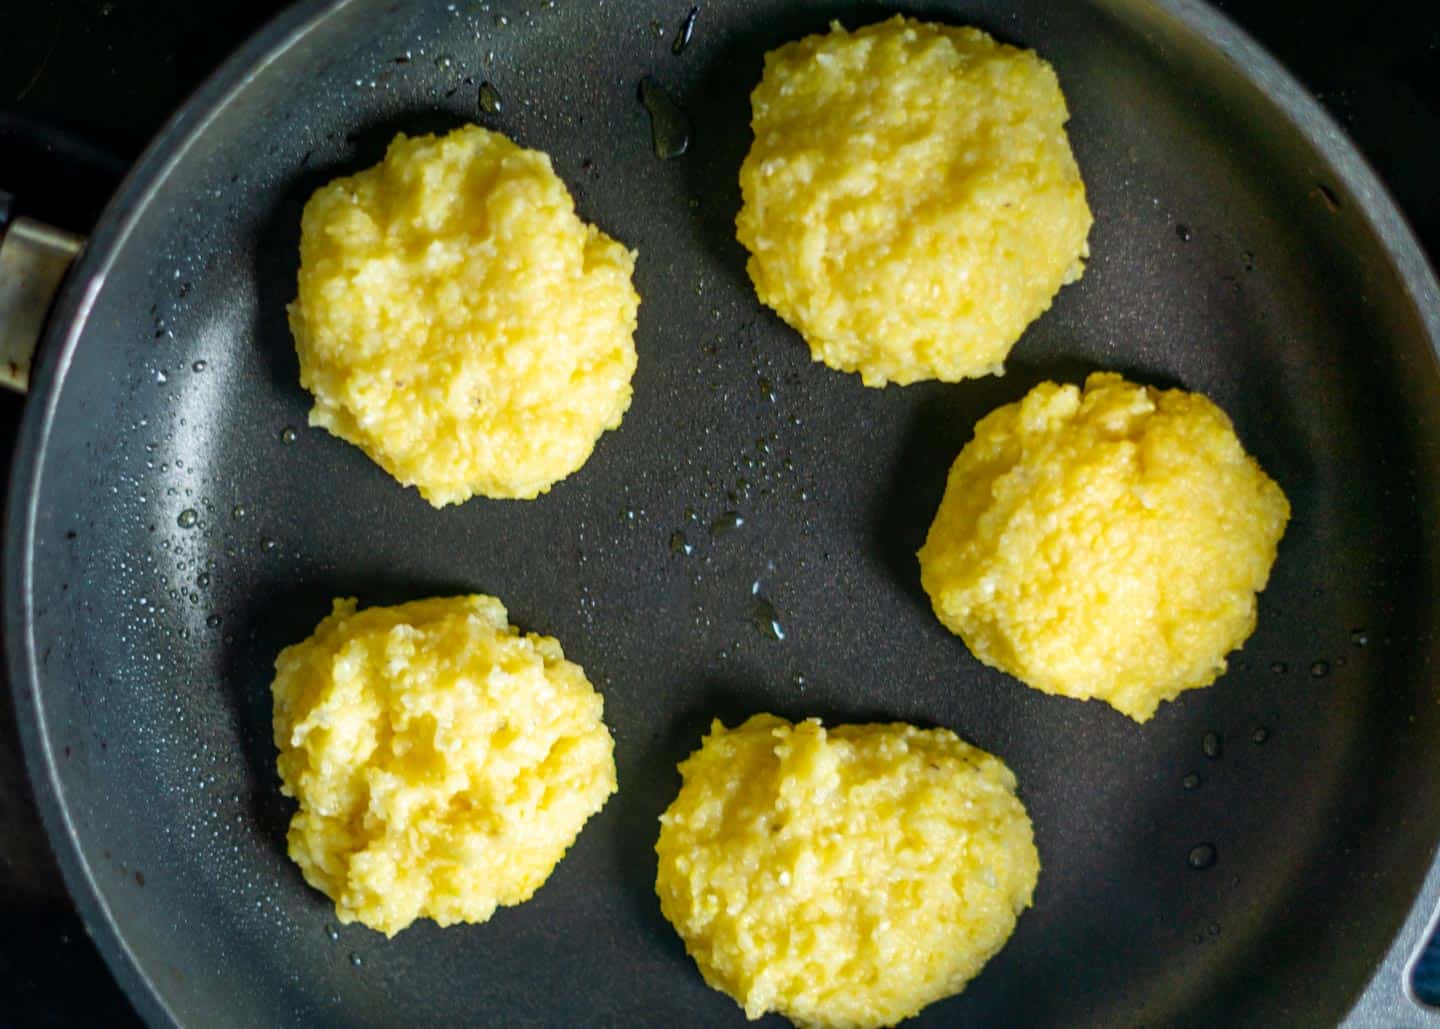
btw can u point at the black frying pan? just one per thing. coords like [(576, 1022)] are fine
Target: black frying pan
[(141, 650)]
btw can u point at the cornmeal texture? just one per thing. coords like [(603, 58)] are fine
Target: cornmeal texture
[(847, 877), (458, 322), (911, 202), (1104, 544), (442, 762)]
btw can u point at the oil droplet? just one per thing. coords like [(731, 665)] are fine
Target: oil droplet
[(1202, 856), (1320, 669), (488, 99), (202, 580), (1359, 637), (800, 681), (187, 518), (267, 545), (1183, 231), (332, 932), (288, 435), (1211, 745), (1260, 735), (1279, 668), (355, 960), (1191, 781), (669, 124), (199, 366), (239, 511), (679, 545), (765, 618), (687, 31), (726, 522), (213, 621)]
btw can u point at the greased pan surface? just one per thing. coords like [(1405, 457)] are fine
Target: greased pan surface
[(1234, 252)]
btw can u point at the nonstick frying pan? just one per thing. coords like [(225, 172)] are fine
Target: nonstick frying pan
[(167, 534)]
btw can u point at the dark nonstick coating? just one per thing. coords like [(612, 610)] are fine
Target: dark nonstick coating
[(1233, 253)]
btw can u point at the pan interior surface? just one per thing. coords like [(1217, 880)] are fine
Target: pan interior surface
[(180, 538)]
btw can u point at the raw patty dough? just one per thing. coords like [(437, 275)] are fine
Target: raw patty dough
[(457, 321), (443, 763), (910, 201), (1105, 544), (846, 877)]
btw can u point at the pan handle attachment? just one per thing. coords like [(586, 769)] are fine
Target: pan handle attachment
[(1389, 1001), (34, 258)]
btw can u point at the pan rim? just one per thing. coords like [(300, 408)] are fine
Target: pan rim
[(184, 128), (66, 324)]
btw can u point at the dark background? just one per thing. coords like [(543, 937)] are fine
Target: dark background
[(85, 83)]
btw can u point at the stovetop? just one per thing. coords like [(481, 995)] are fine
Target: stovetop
[(85, 83)]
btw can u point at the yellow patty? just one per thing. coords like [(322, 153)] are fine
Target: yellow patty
[(910, 201), (843, 878), (458, 322), (443, 763), (1104, 544)]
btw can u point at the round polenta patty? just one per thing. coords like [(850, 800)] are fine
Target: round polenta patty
[(458, 322), (845, 877), (910, 201), (1108, 543), (443, 763)]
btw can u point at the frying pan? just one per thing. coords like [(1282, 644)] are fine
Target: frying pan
[(167, 535)]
